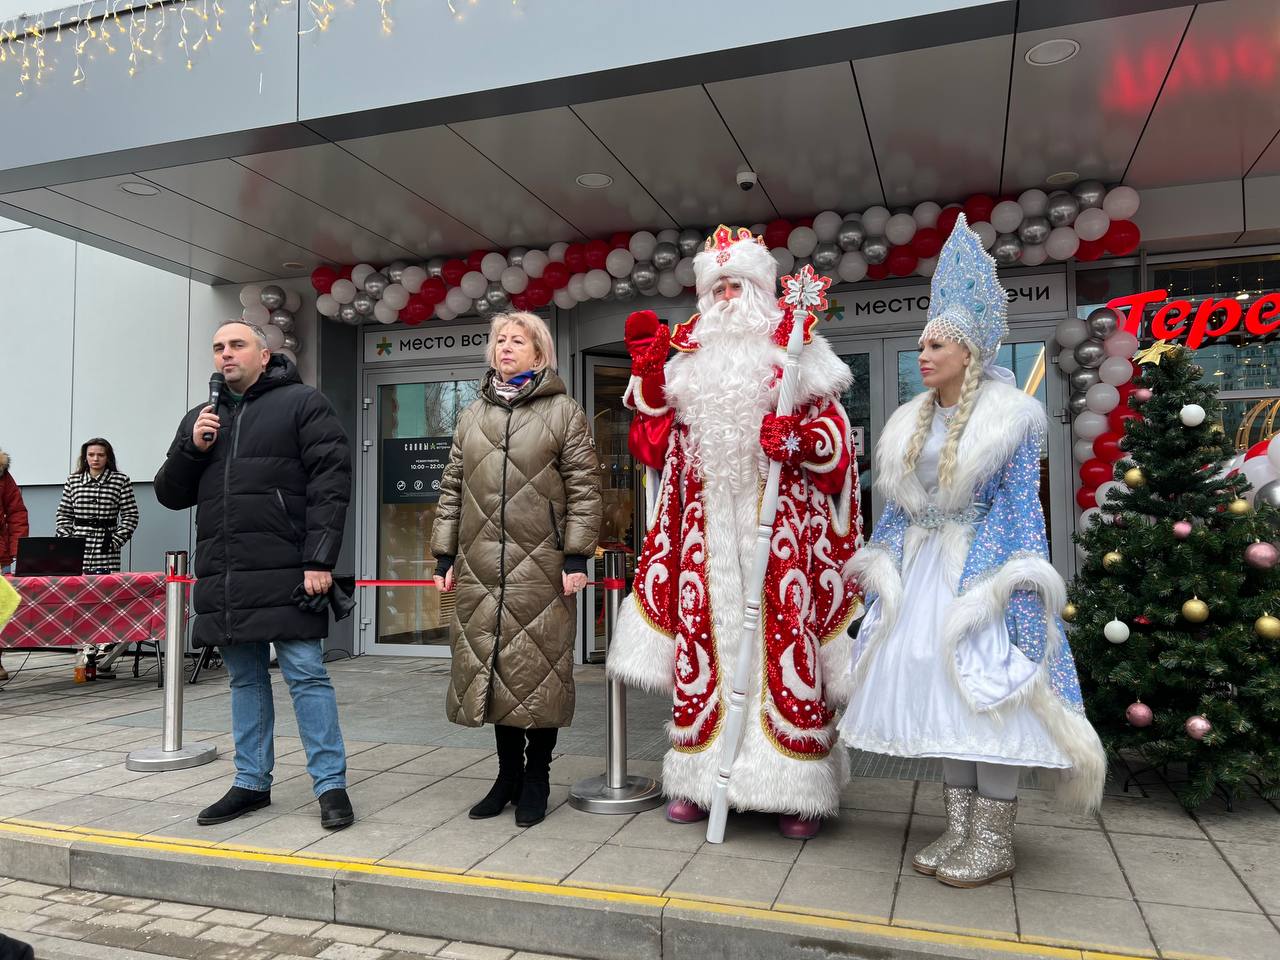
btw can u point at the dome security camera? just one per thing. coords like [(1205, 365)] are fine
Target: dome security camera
[(747, 179)]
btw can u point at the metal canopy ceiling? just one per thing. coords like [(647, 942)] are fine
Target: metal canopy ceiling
[(1162, 97)]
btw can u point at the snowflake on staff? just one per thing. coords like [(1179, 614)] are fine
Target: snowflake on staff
[(805, 290)]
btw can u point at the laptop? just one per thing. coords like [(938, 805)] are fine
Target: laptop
[(50, 557)]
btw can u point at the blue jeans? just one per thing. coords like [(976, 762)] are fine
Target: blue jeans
[(253, 712)]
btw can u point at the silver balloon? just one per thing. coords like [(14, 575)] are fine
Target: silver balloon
[(623, 288), (497, 296), (1061, 209), (826, 256), (1102, 323), (666, 256), (1077, 404), (875, 249), (1089, 193), (1034, 230), (395, 271), (283, 319), (272, 297), (347, 313), (800, 264), (644, 275), (292, 343), (435, 266), (689, 242), (515, 256), (850, 235), (1090, 354), (1082, 379), (374, 284), (1007, 249), (482, 307), (1268, 495), (363, 304)]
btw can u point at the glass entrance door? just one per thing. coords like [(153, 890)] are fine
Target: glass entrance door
[(409, 422)]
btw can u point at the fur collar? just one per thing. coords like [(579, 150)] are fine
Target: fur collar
[(1003, 417), (4, 463), (822, 373)]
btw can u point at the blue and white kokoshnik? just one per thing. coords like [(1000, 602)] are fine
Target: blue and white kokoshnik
[(966, 301)]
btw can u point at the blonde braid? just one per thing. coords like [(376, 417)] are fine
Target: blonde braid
[(923, 422), (968, 396)]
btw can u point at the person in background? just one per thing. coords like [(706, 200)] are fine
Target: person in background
[(519, 514), (13, 524), (97, 504)]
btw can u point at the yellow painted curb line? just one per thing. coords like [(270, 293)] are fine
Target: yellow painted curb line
[(976, 939)]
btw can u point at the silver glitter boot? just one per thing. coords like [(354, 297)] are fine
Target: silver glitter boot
[(957, 801), (987, 853)]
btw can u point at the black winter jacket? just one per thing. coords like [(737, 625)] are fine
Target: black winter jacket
[(271, 498)]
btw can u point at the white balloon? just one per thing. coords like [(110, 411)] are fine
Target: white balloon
[(986, 233), (1102, 398), (564, 299), (642, 244), (597, 284), (413, 278), (326, 306), (785, 260), (292, 300), (802, 241), (360, 273), (250, 294), (286, 352), (1105, 489), (474, 284), (344, 291), (926, 214), (275, 336), (826, 225), (1071, 332), (1117, 631), (1033, 202), (1120, 203), (685, 272), (492, 266), (1087, 517), (900, 228), (556, 252), (668, 284), (1273, 452), (1034, 254), (395, 296), (514, 280), (852, 267), (1089, 425), (535, 261), (1120, 344), (669, 235), (873, 221), (1082, 450), (619, 263), (1116, 371), (577, 286), (1067, 362), (458, 301), (444, 313), (1062, 243), (926, 265), (1006, 215), (257, 313), (1091, 224), (383, 312), (1259, 471), (1192, 415)]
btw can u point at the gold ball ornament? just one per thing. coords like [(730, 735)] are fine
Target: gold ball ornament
[(1239, 507), (1195, 610), (1070, 612), (1135, 478), (1112, 559), (1267, 627)]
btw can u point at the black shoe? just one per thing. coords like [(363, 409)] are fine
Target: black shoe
[(335, 809), (502, 792), (236, 802), (532, 807)]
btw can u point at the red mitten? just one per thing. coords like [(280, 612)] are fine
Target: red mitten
[(782, 438), (648, 341)]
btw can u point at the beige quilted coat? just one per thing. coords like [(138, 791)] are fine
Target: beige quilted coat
[(521, 490)]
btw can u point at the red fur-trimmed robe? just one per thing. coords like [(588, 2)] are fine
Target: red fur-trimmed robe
[(680, 627)]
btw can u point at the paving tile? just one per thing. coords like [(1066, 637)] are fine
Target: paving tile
[(652, 829), (22, 904), (127, 904), (445, 761), (536, 858), (858, 840), (144, 818), (178, 911), (346, 933), (1186, 872), (122, 921), (1252, 821), (474, 951), (290, 926), (1181, 931), (83, 898), (456, 846), (280, 834), (1159, 818), (365, 840), (350, 951), (1041, 808), (754, 883), (67, 929), (387, 756), (1259, 868), (19, 803), (1071, 920), (422, 945), (384, 789), (985, 911), (924, 830), (239, 936), (69, 911), (176, 926), (1068, 861), (25, 888), (631, 869), (566, 822), (188, 948), (188, 829), (117, 937), (234, 918), (12, 920), (277, 943), (752, 836), (434, 804), (838, 892), (878, 793)]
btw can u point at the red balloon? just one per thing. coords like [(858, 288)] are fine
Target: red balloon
[(776, 233), (805, 222), (597, 252), (433, 291), (946, 221), (1090, 250), (344, 273), (521, 301), (1107, 448), (538, 292), (927, 241), (902, 262), (1095, 472), (556, 275), (877, 271), (575, 258), (1086, 497), (416, 310), (978, 208), (452, 272), (620, 241), (1118, 417), (475, 257), (1259, 449), (1122, 237), (323, 278)]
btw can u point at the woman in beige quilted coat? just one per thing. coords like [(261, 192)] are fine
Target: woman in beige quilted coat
[(517, 520)]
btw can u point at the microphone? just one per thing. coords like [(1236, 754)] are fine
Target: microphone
[(216, 383)]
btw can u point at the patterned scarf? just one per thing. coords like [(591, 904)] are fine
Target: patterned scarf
[(508, 390)]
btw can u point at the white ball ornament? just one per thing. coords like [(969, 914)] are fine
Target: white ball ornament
[(900, 228), (1116, 631), (1191, 415)]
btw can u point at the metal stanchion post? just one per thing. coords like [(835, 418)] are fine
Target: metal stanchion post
[(615, 791), (171, 754)]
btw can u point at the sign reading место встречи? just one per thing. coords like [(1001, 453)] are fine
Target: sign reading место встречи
[(428, 342)]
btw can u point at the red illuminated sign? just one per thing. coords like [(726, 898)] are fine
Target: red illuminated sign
[(1210, 319)]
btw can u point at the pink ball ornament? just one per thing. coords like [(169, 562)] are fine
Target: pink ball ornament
[(1261, 555), (1197, 727), (1138, 714), (1182, 529), (1143, 394)]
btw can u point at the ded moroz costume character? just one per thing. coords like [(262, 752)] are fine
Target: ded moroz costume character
[(961, 654), (704, 419)]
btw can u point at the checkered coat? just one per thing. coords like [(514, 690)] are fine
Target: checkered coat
[(108, 506)]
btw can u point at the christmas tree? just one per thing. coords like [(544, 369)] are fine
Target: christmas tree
[(1173, 616)]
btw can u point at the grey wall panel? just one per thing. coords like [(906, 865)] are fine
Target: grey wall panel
[(42, 503), (337, 350)]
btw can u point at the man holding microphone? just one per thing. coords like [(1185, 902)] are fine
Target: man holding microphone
[(268, 468)]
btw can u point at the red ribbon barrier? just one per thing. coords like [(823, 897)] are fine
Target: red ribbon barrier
[(609, 583)]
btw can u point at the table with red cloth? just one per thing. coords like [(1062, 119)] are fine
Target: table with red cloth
[(70, 611)]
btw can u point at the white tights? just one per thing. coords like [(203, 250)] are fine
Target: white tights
[(996, 781)]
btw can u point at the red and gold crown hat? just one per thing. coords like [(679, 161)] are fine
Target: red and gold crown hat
[(736, 252)]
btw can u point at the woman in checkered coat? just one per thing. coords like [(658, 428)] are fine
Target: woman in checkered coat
[(97, 504)]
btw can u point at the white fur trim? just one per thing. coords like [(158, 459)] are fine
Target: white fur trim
[(633, 399), (747, 260), (837, 679), (639, 655)]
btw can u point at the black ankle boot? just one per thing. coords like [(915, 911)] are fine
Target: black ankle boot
[(335, 809), (236, 802), (502, 792), (506, 789), (532, 807)]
